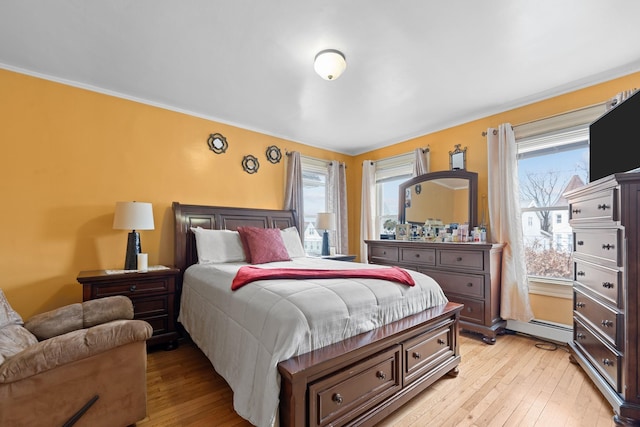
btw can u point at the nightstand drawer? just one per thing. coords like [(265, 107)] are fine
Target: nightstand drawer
[(133, 287)]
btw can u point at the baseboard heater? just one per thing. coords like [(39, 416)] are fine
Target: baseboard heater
[(543, 329)]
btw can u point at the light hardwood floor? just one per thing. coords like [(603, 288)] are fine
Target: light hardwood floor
[(519, 381)]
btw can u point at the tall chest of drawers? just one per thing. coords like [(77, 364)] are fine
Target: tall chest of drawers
[(469, 274), (606, 235)]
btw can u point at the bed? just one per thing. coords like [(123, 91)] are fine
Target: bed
[(290, 364)]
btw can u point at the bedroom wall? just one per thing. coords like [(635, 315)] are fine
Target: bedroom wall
[(69, 154)]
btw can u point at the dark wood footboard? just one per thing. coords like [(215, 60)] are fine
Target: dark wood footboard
[(363, 379)]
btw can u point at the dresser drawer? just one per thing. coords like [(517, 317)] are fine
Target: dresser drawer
[(464, 260), (418, 256), (343, 394), (600, 206), (473, 310), (606, 360), (606, 282), (471, 285), (607, 321), (133, 287), (383, 254), (603, 244), (425, 351)]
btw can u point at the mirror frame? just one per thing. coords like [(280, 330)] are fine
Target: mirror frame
[(472, 177)]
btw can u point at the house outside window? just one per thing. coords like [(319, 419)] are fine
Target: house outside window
[(553, 157), (390, 173), (315, 174)]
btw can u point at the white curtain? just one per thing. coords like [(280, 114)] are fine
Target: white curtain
[(422, 162), (293, 197), (337, 203), (368, 207), (616, 100), (505, 222)]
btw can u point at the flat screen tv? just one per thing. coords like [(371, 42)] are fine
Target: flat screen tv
[(614, 139)]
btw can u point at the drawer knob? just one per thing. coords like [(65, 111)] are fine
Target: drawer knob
[(580, 304), (580, 336), (416, 355), (580, 273), (441, 341), (381, 375), (580, 242), (607, 323), (607, 246), (607, 285), (132, 288), (603, 207), (607, 362), (417, 255), (459, 259), (337, 398), (469, 285), (576, 211)]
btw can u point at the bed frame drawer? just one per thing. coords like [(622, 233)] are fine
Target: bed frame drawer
[(424, 352), (343, 395)]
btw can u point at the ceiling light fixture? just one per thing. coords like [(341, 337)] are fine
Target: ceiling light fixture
[(329, 64)]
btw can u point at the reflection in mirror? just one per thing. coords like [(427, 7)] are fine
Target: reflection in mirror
[(458, 158), (447, 196)]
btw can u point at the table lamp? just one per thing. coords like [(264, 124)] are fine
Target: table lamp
[(325, 221), (133, 216)]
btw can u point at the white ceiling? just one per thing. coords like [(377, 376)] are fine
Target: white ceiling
[(414, 66)]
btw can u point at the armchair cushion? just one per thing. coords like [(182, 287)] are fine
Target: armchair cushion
[(72, 346), (80, 315), (14, 339)]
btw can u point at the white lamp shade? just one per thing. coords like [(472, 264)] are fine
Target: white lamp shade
[(326, 221), (330, 64), (133, 216)]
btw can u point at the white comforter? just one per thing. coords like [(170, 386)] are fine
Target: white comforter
[(245, 333)]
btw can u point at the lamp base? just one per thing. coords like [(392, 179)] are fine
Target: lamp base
[(325, 243), (133, 249)]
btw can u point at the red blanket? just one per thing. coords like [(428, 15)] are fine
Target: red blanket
[(247, 274)]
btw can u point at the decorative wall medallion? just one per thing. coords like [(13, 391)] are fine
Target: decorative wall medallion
[(250, 164), (217, 143), (273, 154)]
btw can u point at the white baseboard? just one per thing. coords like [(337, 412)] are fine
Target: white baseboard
[(550, 331)]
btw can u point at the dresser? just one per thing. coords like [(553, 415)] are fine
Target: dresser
[(606, 233), (469, 274), (152, 294)]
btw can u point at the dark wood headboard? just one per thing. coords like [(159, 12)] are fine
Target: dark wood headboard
[(219, 218)]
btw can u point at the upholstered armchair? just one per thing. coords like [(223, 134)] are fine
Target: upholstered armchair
[(82, 364)]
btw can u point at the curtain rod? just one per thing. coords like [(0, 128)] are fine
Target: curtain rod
[(598, 104)]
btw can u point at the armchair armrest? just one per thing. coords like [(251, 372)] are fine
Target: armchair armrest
[(73, 346), (80, 315)]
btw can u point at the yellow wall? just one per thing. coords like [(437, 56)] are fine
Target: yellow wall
[(69, 154)]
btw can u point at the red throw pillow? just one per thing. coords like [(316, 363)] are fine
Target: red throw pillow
[(263, 245)]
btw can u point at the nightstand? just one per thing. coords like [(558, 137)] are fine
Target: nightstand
[(339, 257), (152, 293)]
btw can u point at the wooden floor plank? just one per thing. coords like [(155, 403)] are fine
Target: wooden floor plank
[(512, 383)]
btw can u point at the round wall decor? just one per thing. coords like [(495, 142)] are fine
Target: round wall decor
[(250, 164), (273, 154), (217, 143)]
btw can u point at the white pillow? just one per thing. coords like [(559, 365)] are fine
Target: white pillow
[(217, 246), (291, 239), (8, 316)]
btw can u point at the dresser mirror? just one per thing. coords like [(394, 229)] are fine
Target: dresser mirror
[(445, 196)]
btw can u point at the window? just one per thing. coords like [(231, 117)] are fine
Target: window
[(553, 157), (390, 173), (315, 174)]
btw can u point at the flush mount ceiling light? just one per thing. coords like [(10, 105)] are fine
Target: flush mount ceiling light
[(329, 64)]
